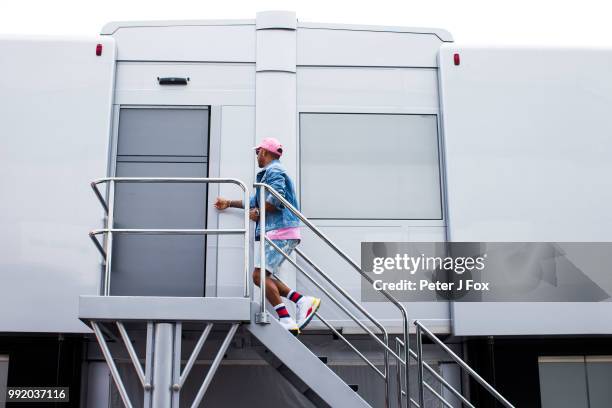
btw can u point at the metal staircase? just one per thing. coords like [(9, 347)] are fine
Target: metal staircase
[(302, 368), (162, 377)]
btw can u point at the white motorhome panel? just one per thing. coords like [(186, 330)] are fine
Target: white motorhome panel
[(195, 43), (350, 106), (388, 89), (214, 84), (527, 150), (366, 48), (348, 235), (56, 108), (235, 159)]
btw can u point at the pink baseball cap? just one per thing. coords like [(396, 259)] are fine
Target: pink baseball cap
[(272, 145)]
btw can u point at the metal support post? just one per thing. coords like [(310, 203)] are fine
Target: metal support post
[(110, 224), (176, 364), (262, 316), (420, 380), (162, 366)]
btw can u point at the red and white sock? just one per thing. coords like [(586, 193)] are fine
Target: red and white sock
[(294, 296), (281, 310)]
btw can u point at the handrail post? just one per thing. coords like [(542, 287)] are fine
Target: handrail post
[(398, 373), (419, 339), (406, 354), (387, 372), (465, 366), (110, 224), (246, 243), (262, 316)]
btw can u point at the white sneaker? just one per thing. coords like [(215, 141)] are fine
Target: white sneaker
[(289, 324), (306, 308)]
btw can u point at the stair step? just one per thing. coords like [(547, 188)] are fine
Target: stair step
[(307, 372)]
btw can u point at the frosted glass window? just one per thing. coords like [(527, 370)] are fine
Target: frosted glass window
[(575, 381), (563, 382), (599, 378), (369, 166)]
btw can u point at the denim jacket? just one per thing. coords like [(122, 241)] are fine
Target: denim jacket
[(275, 175)]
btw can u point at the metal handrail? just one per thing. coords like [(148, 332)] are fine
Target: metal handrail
[(399, 342), (437, 376), (422, 329), (336, 302), (166, 231), (109, 231), (262, 314), (385, 375)]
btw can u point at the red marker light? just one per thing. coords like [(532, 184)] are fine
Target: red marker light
[(99, 50), (456, 59)]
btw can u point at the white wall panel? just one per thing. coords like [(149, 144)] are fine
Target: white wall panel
[(195, 43), (209, 84), (236, 161), (276, 108), (411, 89), (379, 84), (276, 50), (55, 125), (527, 137), (348, 235), (338, 47)]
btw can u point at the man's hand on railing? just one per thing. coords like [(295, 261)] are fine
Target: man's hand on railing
[(222, 203)]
